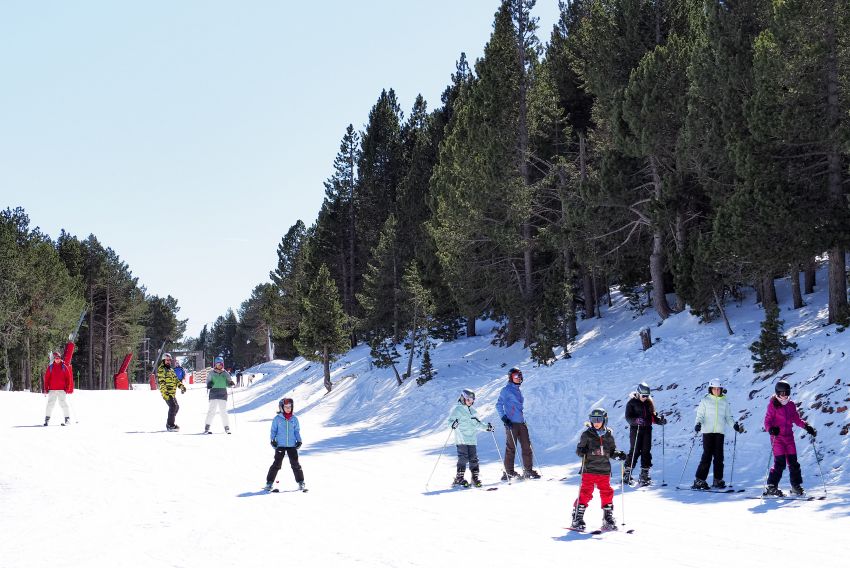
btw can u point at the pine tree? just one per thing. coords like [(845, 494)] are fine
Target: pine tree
[(322, 335), (426, 369), (769, 352), (419, 304)]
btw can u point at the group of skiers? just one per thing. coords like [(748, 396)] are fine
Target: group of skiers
[(596, 446)]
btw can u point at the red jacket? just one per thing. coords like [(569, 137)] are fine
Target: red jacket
[(58, 376)]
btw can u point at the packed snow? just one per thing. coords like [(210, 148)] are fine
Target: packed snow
[(114, 488)]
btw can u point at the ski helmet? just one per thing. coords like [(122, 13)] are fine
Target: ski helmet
[(782, 387), (515, 373), (218, 360), (643, 389), (715, 384), (467, 394), (286, 401), (597, 415)]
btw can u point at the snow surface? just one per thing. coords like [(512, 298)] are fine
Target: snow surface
[(115, 489)]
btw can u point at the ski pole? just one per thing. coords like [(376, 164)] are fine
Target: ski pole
[(580, 474), (663, 458), (530, 445), (634, 453), (510, 432), (693, 441), (818, 459), (734, 451), (623, 493), (438, 460), (495, 443), (769, 460)]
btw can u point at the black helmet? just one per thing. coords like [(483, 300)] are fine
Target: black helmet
[(599, 413), (515, 373), (467, 394), (286, 401), (782, 387), (643, 389)]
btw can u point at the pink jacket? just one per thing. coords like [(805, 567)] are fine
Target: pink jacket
[(783, 416)]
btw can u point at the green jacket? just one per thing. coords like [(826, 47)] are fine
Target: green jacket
[(217, 383), (468, 424), (714, 414), (168, 381)]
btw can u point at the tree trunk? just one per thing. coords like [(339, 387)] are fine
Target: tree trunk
[(768, 293), (656, 259), (570, 326), (722, 311), (27, 366), (90, 362), (106, 355), (470, 326), (413, 338), (646, 338), (326, 362), (810, 273), (589, 295), (837, 263), (795, 287), (680, 236)]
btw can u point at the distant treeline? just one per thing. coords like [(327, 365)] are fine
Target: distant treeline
[(679, 149), (46, 285)]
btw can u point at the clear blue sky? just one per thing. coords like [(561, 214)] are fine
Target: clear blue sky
[(189, 135)]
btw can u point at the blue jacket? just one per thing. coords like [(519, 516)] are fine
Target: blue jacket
[(286, 432), (510, 403)]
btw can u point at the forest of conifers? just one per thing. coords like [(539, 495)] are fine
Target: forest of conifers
[(677, 149)]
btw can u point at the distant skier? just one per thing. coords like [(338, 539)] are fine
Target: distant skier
[(641, 414), (178, 370), (596, 447), (463, 419), (239, 377), (217, 382), (59, 382), (168, 385), (713, 415), (778, 422), (285, 439), (510, 408)]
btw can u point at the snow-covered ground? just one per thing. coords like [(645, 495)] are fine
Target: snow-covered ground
[(115, 489)]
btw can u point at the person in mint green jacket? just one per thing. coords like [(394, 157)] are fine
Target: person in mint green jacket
[(466, 425), (713, 415), (217, 382)]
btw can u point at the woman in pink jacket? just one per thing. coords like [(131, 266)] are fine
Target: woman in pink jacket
[(781, 416)]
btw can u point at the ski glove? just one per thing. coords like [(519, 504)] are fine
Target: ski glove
[(454, 424), (297, 445), (738, 428), (660, 420), (507, 421), (274, 443), (773, 430), (490, 427), (698, 427), (619, 456), (183, 389), (811, 431)]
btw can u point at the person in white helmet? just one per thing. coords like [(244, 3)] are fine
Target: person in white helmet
[(464, 420), (713, 415)]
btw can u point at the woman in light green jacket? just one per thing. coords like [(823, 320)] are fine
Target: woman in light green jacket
[(713, 415), (464, 421)]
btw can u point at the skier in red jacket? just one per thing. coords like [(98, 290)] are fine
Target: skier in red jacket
[(58, 382)]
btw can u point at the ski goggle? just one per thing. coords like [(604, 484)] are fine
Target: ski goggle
[(597, 419), (517, 375)]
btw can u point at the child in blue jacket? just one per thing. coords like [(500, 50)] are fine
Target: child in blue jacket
[(285, 439)]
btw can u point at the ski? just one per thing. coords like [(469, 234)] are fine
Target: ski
[(599, 531), (787, 497), (728, 491), (293, 491)]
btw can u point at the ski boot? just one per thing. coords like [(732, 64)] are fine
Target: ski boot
[(67, 421), (509, 475), (530, 474), (773, 491), (459, 481), (46, 420), (797, 490), (627, 475), (207, 429), (718, 484), (227, 429), (700, 484), (174, 428), (475, 481), (578, 518), (302, 486), (609, 523), (268, 487), (644, 478)]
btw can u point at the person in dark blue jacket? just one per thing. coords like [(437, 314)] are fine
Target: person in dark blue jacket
[(285, 439), (509, 406)]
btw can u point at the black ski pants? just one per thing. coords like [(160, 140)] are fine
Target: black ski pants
[(173, 407), (794, 471), (712, 448), (640, 444), (278, 460), (517, 434), (467, 454)]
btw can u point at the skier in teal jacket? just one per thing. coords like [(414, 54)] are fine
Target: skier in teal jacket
[(466, 425)]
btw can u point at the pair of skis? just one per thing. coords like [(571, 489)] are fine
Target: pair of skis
[(599, 531)]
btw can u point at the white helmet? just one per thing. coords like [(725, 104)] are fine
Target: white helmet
[(715, 383)]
